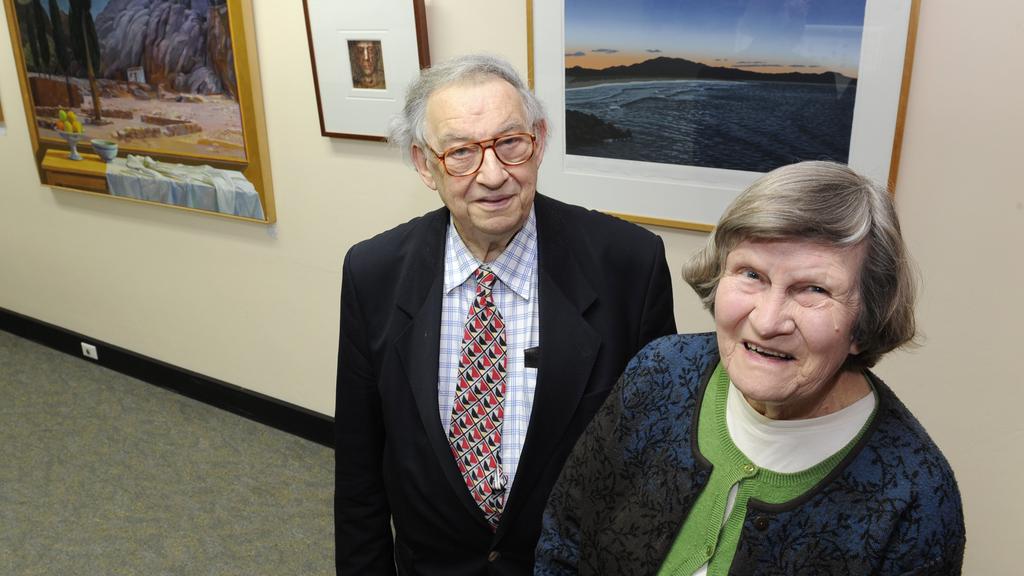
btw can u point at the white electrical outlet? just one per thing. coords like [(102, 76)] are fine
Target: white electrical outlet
[(89, 351)]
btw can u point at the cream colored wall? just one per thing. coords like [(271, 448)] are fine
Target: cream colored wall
[(961, 201), (257, 306)]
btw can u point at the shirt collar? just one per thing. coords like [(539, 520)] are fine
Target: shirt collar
[(514, 267)]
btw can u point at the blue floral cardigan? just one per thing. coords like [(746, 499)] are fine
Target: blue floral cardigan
[(892, 506)]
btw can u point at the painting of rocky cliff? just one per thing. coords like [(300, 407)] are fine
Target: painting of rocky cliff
[(156, 76)]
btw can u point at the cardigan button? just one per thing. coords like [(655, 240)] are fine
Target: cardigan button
[(761, 523), (494, 555)]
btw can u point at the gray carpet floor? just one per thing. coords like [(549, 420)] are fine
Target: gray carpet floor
[(101, 474)]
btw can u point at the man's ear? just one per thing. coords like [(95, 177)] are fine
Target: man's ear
[(420, 161), (542, 141)]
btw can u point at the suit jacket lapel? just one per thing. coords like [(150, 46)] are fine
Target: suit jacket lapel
[(418, 346), (568, 349)]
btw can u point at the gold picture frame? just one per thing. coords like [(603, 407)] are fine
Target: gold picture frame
[(649, 194), (190, 133)]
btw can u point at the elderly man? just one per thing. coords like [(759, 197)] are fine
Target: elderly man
[(478, 340)]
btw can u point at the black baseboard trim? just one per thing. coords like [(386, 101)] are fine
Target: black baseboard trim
[(275, 413)]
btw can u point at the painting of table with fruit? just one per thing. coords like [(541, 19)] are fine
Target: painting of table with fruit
[(159, 89)]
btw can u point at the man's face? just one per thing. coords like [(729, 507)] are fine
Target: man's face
[(490, 206), (366, 54)]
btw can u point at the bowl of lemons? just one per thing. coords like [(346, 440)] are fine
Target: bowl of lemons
[(70, 129)]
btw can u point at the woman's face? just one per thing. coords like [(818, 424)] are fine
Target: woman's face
[(784, 315)]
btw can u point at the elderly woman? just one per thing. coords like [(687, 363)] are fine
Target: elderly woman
[(769, 447)]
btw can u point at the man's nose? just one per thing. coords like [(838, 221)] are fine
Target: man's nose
[(492, 172)]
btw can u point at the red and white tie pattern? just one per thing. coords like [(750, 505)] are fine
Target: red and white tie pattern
[(475, 431)]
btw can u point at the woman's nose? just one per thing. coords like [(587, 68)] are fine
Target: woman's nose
[(771, 316)]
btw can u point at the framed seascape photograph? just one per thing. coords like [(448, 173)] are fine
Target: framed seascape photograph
[(364, 54), (663, 111), (153, 101)]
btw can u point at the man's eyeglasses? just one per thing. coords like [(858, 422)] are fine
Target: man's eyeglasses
[(466, 159)]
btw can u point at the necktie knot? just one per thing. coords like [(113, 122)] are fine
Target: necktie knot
[(485, 278)]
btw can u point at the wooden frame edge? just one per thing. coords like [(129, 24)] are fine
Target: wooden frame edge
[(253, 114), (312, 62), (529, 44), (419, 11), (901, 111), (15, 34), (664, 222), (176, 207)]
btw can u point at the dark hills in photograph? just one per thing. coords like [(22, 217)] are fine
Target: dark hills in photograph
[(664, 68)]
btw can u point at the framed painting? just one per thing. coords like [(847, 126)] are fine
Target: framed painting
[(364, 54), (663, 111), (156, 101)]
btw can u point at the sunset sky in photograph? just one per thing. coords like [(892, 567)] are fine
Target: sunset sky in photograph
[(759, 35)]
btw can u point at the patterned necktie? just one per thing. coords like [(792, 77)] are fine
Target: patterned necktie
[(475, 431)]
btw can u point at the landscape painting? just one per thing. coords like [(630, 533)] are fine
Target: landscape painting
[(154, 76), (747, 85), (153, 101)]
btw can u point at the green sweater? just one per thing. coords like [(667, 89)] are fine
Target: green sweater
[(703, 536)]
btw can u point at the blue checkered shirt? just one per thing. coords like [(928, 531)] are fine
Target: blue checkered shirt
[(516, 297)]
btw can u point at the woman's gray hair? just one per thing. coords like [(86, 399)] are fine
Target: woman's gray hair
[(830, 204), (409, 128)]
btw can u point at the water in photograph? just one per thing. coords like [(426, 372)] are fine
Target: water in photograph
[(754, 126)]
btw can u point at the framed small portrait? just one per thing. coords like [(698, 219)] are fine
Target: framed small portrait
[(386, 46)]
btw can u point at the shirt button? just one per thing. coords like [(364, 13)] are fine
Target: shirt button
[(494, 555), (761, 523)]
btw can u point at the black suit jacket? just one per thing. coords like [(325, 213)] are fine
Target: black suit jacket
[(605, 292)]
